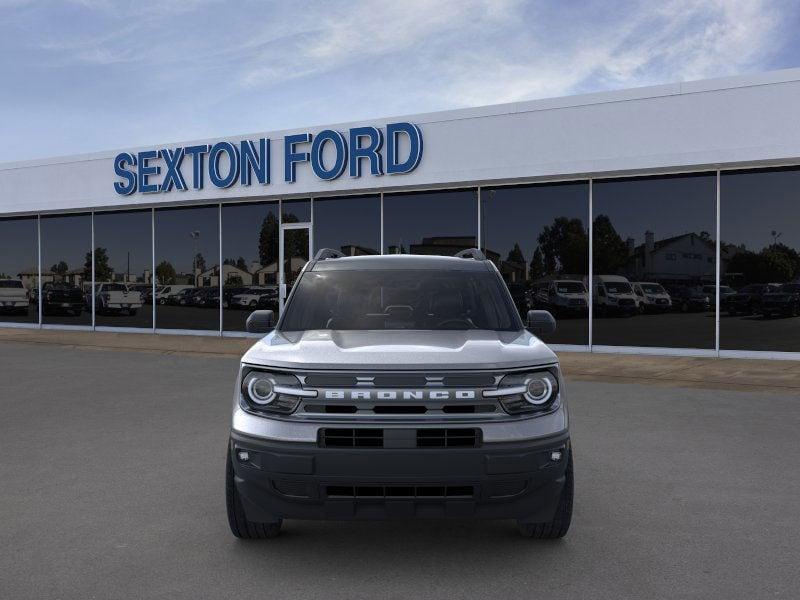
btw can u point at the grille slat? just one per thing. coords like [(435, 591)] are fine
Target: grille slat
[(374, 438)]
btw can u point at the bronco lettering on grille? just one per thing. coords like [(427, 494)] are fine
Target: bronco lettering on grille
[(399, 395)]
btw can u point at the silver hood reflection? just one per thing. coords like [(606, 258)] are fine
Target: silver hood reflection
[(400, 350)]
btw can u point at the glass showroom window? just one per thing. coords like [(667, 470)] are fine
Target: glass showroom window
[(654, 261), (19, 270), (538, 236), (440, 223), (67, 269), (187, 270), (249, 261), (351, 225), (296, 211), (760, 260), (123, 267)]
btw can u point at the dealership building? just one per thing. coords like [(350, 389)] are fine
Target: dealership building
[(660, 220)]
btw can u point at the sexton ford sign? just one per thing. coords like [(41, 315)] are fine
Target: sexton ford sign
[(225, 164)]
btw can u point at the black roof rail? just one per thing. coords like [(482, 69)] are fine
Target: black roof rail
[(325, 253), (471, 253)]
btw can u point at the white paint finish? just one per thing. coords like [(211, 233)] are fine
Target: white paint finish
[(727, 122)]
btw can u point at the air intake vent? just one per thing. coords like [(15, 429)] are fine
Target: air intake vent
[(447, 438), (351, 438), (399, 491), (423, 438)]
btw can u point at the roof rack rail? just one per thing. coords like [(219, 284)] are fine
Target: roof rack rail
[(325, 253), (471, 253)]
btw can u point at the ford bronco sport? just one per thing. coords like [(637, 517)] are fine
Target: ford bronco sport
[(399, 387)]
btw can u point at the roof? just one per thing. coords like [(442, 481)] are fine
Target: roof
[(399, 262)]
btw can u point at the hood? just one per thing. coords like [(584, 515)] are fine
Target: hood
[(400, 350)]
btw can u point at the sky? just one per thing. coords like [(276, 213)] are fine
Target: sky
[(89, 75)]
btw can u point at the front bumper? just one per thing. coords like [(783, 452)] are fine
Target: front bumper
[(516, 480)]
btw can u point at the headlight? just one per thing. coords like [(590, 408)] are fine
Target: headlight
[(538, 390), (527, 392), (264, 391), (260, 389)]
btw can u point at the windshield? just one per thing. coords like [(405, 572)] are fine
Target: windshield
[(570, 287), (617, 287), (395, 299), (10, 283), (652, 288)]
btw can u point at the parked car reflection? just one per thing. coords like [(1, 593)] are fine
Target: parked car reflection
[(748, 299), (689, 299), (62, 298), (14, 298), (651, 297), (785, 301)]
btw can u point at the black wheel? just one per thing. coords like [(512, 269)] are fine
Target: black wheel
[(240, 526), (558, 527)]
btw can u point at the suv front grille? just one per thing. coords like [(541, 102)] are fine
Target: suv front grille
[(362, 437)]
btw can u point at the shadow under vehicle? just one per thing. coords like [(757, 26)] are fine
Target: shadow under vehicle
[(689, 299), (747, 300), (14, 298), (651, 297), (785, 301), (62, 298)]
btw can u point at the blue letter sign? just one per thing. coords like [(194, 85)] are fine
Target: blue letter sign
[(328, 153)]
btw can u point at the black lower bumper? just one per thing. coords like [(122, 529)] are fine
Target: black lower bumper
[(303, 481)]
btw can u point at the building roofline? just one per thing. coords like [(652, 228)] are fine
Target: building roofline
[(546, 104)]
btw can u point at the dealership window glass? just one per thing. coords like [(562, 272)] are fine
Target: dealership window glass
[(760, 260), (19, 270), (249, 261), (187, 268), (538, 236), (351, 225), (654, 261), (123, 266), (296, 211), (66, 269), (440, 223)]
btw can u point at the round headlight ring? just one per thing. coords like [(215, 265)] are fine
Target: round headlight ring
[(538, 390), (261, 390)]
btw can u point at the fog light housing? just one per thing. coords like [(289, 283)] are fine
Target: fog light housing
[(243, 456), (555, 455)]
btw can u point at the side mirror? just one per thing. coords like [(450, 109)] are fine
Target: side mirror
[(541, 322), (260, 321)]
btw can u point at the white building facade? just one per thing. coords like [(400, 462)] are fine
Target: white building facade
[(689, 184)]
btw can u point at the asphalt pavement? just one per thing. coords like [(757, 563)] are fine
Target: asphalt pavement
[(111, 486)]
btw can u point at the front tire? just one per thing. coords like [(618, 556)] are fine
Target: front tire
[(240, 526), (559, 525)]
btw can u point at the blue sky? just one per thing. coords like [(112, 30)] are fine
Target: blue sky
[(88, 75)]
